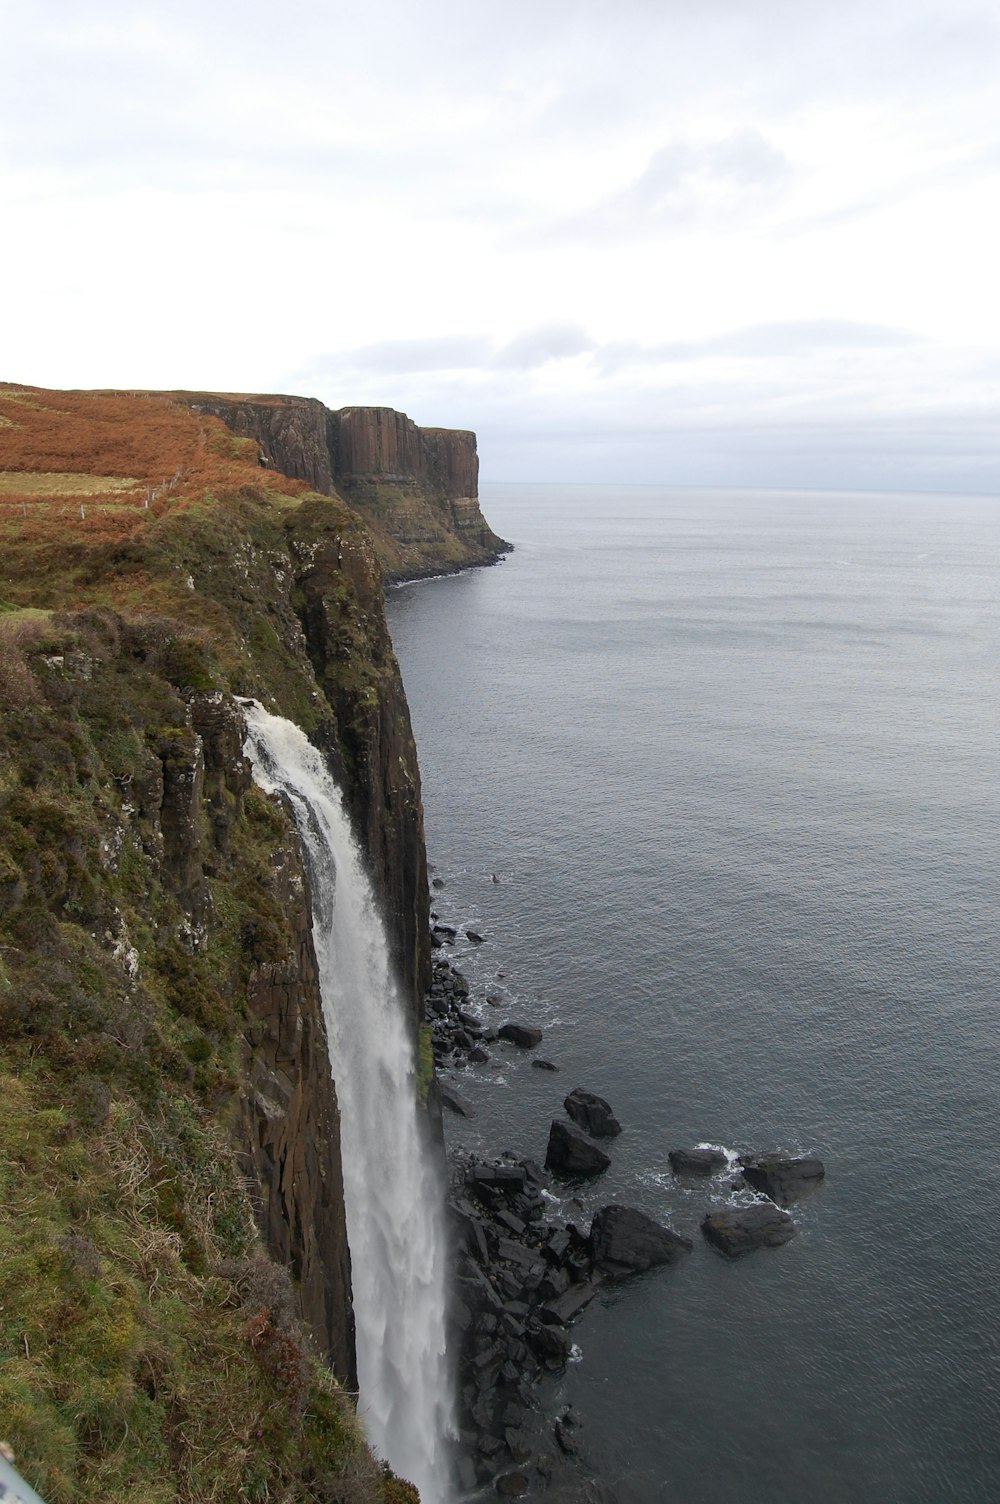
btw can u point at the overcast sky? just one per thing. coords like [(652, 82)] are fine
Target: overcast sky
[(684, 241)]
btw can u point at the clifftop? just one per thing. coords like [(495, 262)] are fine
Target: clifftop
[(169, 1115), (417, 488)]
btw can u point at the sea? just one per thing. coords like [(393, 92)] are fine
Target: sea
[(715, 774)]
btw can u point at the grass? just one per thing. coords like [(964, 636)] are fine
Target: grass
[(62, 483), (149, 1350)]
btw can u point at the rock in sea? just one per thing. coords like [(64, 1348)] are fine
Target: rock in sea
[(697, 1161), (739, 1230), (783, 1177), (624, 1241), (520, 1034), (571, 1152), (592, 1113)]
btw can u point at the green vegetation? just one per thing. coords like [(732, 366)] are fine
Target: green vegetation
[(425, 1062), (149, 1350)]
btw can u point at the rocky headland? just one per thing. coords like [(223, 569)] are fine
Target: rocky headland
[(177, 1317), (417, 488)]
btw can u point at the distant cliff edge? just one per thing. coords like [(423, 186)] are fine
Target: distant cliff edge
[(177, 1307), (416, 488)]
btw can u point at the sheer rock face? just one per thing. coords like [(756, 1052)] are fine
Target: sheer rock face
[(320, 590), (338, 600), (292, 1126), (417, 488)]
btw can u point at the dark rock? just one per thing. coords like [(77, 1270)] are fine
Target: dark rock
[(479, 1056), (624, 1241), (533, 1171), (592, 1113), (571, 1152), (738, 1230), (544, 1065), (514, 1253), (783, 1177), (549, 1342), (518, 1443), (475, 937), (455, 1104), (566, 1438), (460, 984), (556, 1246), (522, 1035), (552, 1285), (444, 931), (510, 1180), (437, 882), (513, 1485), (697, 1161), (562, 1311)]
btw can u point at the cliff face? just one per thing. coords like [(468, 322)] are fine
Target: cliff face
[(417, 488), (158, 985)]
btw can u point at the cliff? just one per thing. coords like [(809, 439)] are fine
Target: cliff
[(417, 488), (172, 1242)]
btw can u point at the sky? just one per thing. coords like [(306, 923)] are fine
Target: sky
[(693, 242)]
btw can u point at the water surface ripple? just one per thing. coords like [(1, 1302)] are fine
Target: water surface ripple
[(733, 759)]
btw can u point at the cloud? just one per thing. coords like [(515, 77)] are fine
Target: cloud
[(782, 340), (684, 183), (536, 347), (399, 356)]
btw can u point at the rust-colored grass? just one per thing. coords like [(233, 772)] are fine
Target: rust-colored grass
[(97, 466), (25, 483)]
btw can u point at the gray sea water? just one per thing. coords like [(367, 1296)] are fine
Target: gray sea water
[(733, 759)]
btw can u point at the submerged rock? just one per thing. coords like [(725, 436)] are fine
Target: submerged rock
[(592, 1113), (785, 1178), (739, 1230), (570, 1152), (624, 1241), (697, 1161)]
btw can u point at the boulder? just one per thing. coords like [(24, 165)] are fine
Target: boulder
[(697, 1161), (624, 1241), (593, 1114), (740, 1229), (475, 937), (562, 1310), (513, 1485), (571, 1152), (522, 1035), (784, 1177), (455, 1104), (544, 1065)]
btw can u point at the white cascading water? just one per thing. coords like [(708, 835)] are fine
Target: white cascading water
[(393, 1194)]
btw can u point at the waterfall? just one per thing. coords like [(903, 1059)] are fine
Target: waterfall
[(392, 1191)]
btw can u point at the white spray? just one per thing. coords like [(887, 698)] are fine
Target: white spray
[(393, 1195)]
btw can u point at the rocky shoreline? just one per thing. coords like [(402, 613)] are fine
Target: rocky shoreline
[(523, 1274)]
